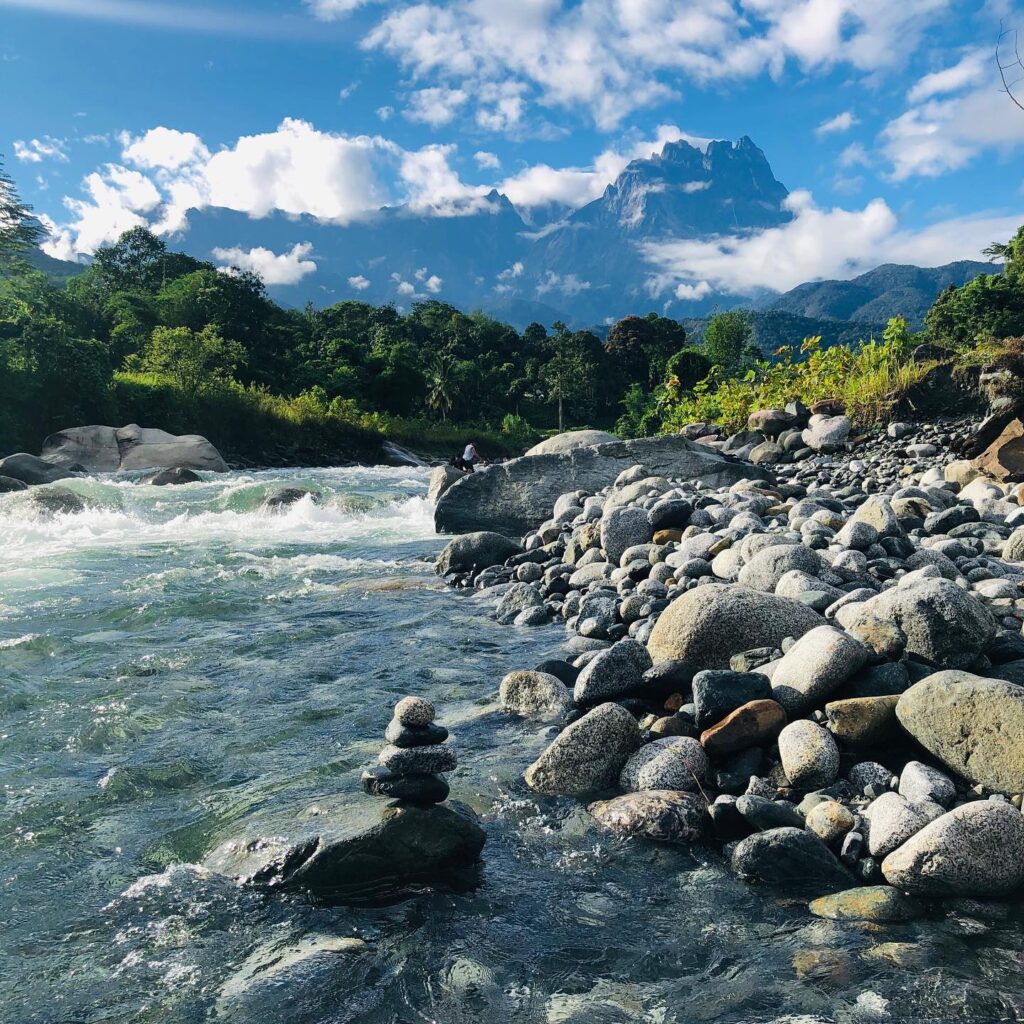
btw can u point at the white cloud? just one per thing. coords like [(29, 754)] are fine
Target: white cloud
[(696, 186), (840, 123), (970, 70), (854, 155), (164, 148), (331, 10), (433, 186), (35, 151), (359, 283), (816, 244), (487, 161), (288, 268), (385, 113), (434, 106), (613, 57), (511, 273), (567, 284), (347, 90), (693, 292)]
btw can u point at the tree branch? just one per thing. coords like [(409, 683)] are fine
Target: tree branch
[(1016, 62)]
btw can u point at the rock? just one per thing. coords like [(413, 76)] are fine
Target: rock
[(809, 755), (515, 496), (1013, 549), (8, 484), (409, 847), (709, 624), (441, 478), (284, 497), (942, 623), (436, 758), (670, 514), (1003, 459), (827, 433), (771, 422), (400, 735), (879, 903), (862, 721), (768, 453), (891, 821), (899, 430), (973, 850), (664, 815), (870, 773), (789, 858), (395, 455), (768, 566), (474, 551), (534, 694), (417, 787), (173, 476), (763, 814), (814, 667), (570, 439), (829, 821), (920, 782), (414, 711), (751, 725), (623, 527), (676, 762), (30, 469), (716, 692), (587, 755), (973, 725), (878, 512), (518, 598), (109, 449), (616, 672)]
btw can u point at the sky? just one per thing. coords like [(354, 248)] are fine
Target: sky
[(886, 118)]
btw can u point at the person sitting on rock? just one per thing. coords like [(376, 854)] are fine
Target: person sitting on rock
[(467, 459)]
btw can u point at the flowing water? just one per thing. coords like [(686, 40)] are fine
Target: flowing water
[(178, 667)]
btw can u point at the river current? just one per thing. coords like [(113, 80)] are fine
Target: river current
[(178, 667)]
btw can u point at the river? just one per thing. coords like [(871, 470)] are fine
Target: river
[(177, 666)]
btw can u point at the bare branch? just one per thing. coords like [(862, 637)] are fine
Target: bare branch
[(1016, 62)]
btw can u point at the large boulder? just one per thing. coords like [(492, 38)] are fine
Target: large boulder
[(974, 850), (587, 755), (818, 663), (30, 469), (1003, 459), (827, 433), (706, 626), (441, 479), (534, 694), (570, 439), (769, 565), (109, 449), (475, 551), (515, 496), (942, 622), (410, 846), (975, 726)]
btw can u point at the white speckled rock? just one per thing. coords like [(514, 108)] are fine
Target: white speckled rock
[(810, 757), (816, 665), (920, 782), (829, 820), (516, 599), (587, 755), (432, 758), (414, 711), (974, 850), (615, 672), (676, 762), (623, 527), (891, 821), (534, 693)]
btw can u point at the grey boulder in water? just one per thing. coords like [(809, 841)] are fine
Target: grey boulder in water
[(30, 469), (109, 449)]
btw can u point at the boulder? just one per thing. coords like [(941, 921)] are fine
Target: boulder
[(1003, 459), (515, 496), (809, 755), (395, 455), (30, 469), (827, 433), (587, 755), (706, 626), (622, 528), (975, 726), (57, 501), (411, 846), (770, 422), (518, 598), (769, 565), (474, 551), (284, 497), (862, 721), (109, 449), (675, 762), (942, 622), (975, 850), (441, 479), (891, 820), (534, 694), (816, 665), (172, 477), (616, 672), (9, 484), (790, 858), (665, 815), (570, 439)]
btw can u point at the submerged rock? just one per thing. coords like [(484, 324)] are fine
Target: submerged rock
[(475, 551), (867, 903), (662, 814), (534, 693), (172, 477), (789, 858)]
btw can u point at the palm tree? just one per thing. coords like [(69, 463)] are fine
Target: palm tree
[(442, 386)]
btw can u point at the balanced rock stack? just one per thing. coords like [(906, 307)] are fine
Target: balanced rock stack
[(409, 767)]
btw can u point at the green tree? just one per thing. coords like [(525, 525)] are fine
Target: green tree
[(19, 230), (195, 360), (442, 383), (570, 374), (728, 341)]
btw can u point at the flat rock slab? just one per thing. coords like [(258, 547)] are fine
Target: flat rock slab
[(515, 496), (109, 449)]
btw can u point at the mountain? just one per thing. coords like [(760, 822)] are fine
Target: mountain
[(887, 291)]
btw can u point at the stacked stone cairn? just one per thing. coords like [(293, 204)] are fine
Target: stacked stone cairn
[(409, 768), (823, 673)]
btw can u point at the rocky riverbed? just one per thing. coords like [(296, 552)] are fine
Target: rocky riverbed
[(820, 675)]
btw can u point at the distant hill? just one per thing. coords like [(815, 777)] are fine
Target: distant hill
[(59, 270), (889, 290), (774, 328)]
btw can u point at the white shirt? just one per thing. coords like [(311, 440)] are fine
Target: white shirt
[(468, 455)]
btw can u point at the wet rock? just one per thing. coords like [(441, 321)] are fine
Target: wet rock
[(9, 484), (441, 478), (974, 850), (789, 858), (534, 694), (414, 711), (57, 501), (417, 787), (763, 814), (436, 758), (667, 816), (879, 903), (172, 477), (809, 755), (400, 735), (473, 551), (973, 725), (518, 598), (587, 755)]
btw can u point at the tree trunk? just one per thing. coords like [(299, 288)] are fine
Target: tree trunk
[(560, 414)]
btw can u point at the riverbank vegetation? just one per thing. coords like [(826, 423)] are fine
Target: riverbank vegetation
[(145, 334)]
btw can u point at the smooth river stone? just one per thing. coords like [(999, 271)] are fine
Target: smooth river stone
[(662, 814), (418, 787), (402, 760), (414, 735), (752, 725), (414, 711)]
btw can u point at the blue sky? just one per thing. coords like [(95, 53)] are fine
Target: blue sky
[(885, 117)]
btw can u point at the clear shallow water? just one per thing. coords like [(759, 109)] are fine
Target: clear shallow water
[(178, 668)]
